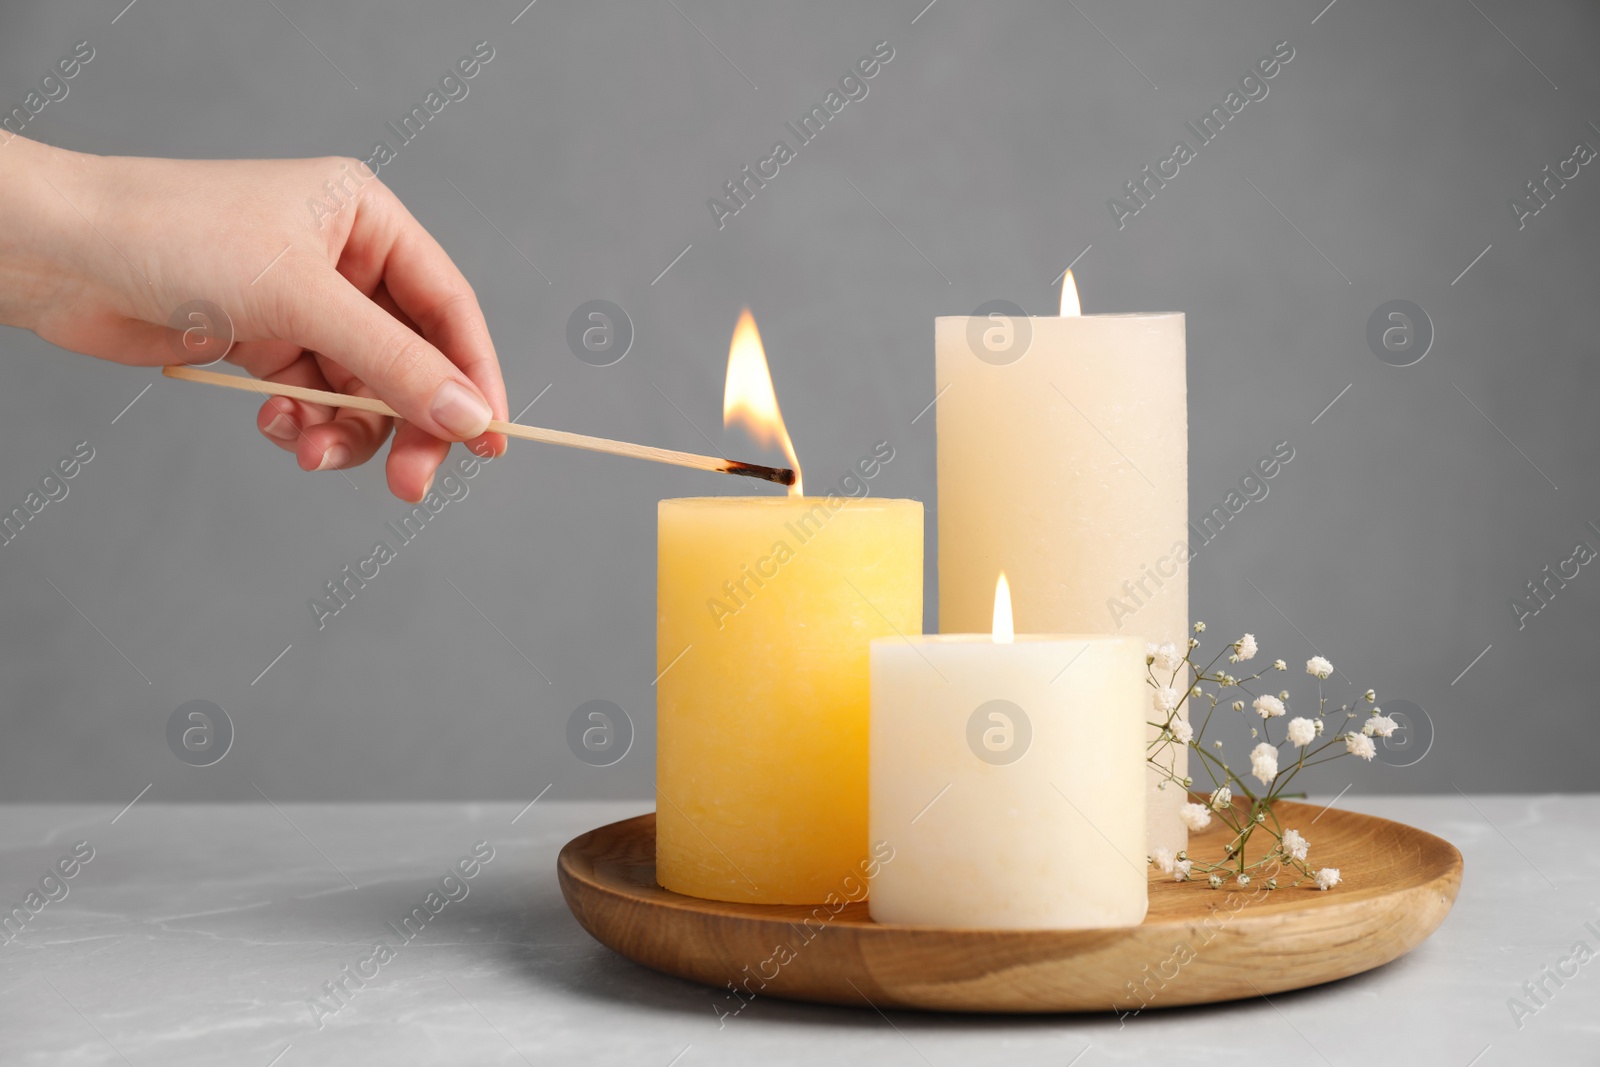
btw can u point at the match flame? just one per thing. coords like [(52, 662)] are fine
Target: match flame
[(1004, 633), (1069, 296), (748, 397)]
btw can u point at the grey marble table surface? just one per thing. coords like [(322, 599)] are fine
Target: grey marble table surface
[(211, 934)]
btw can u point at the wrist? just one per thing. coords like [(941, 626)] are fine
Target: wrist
[(38, 237)]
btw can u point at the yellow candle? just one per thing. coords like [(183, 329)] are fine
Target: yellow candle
[(766, 608)]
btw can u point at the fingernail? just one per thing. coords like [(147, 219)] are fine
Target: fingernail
[(335, 457), (460, 411), (427, 487), (281, 428)]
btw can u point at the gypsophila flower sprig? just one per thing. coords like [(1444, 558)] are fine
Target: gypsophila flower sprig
[(1180, 684)]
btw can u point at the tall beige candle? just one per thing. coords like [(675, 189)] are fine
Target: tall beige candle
[(1063, 461)]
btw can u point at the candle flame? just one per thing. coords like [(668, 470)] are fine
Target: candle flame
[(748, 397), (1069, 296), (1004, 633)]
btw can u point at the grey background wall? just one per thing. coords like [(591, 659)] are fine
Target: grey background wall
[(1378, 167)]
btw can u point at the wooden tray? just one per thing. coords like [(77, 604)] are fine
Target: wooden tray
[(1197, 945)]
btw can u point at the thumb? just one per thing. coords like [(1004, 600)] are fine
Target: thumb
[(320, 310)]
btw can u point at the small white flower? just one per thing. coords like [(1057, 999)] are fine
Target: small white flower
[(1294, 844), (1162, 858), (1165, 698), (1167, 658), (1199, 627), (1149, 651), (1221, 797), (1182, 732), (1245, 648), (1381, 725), (1180, 870), (1319, 727), (1243, 879), (1372, 697), (1195, 816), (1269, 707), (1360, 745), (1301, 731), (1216, 881), (1264, 762), (1327, 878), (1318, 667), (1238, 705), (1279, 665)]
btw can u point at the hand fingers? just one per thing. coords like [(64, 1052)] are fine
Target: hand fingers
[(317, 308), (419, 459), (279, 419), (322, 437), (388, 243), (413, 459), (360, 433), (284, 421), (348, 439)]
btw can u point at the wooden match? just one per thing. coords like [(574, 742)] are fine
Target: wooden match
[(780, 475)]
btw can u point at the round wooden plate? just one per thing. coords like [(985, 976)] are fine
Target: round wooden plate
[(1197, 945)]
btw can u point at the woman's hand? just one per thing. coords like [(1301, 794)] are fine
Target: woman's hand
[(328, 281)]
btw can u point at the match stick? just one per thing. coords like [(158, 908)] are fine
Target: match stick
[(781, 475)]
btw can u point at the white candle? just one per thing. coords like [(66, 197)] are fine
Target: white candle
[(1007, 777), (1063, 460)]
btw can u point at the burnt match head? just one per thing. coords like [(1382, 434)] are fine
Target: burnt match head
[(781, 475)]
